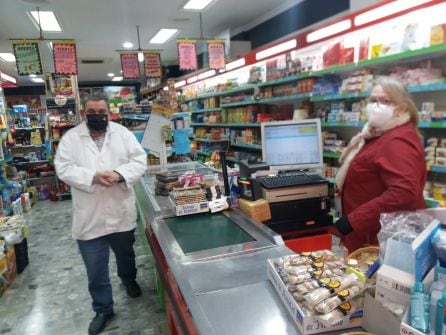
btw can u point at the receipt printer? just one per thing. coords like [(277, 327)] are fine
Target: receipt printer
[(247, 168), (250, 188)]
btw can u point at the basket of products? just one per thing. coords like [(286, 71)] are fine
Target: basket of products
[(363, 258)]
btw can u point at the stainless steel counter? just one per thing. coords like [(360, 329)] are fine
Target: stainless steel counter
[(226, 289)]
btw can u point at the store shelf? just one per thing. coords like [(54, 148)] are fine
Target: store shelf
[(331, 155), (427, 88), (243, 88), (247, 146), (285, 80), (229, 125), (430, 202), (434, 124), (143, 117), (29, 128), (342, 124), (437, 168), (299, 96), (239, 103), (28, 146), (33, 162), (42, 178), (209, 141), (203, 153), (341, 96), (200, 111)]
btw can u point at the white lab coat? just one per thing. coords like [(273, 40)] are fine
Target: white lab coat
[(100, 210)]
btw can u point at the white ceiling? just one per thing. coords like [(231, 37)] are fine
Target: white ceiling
[(101, 26)]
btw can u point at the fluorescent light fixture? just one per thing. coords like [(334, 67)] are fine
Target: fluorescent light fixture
[(206, 74), (32, 75), (117, 79), (221, 70), (329, 30), (192, 79), (140, 57), (386, 10), (197, 4), (127, 45), (7, 57), (165, 88), (8, 77), (180, 84), (276, 49), (111, 74), (163, 35), (48, 21), (235, 64), (37, 80)]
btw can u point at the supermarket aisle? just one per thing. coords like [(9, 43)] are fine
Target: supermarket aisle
[(51, 298)]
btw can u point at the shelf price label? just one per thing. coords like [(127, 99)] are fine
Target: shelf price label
[(27, 55)]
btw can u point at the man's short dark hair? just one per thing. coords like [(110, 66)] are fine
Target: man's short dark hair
[(95, 97)]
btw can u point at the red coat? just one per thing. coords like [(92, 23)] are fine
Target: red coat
[(387, 175)]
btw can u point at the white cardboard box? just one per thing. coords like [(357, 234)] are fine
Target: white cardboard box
[(308, 324), (198, 207)]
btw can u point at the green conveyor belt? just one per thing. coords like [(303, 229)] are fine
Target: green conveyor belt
[(206, 231)]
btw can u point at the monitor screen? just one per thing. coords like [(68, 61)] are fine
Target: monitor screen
[(292, 145)]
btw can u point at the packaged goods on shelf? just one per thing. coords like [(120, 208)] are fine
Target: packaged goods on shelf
[(327, 85), (190, 200)]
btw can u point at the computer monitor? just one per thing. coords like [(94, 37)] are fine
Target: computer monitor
[(292, 145)]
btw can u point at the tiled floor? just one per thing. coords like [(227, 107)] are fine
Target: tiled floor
[(51, 297)]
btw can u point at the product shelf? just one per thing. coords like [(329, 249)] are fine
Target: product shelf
[(285, 98), (198, 139), (243, 88), (286, 79), (228, 125), (240, 103), (433, 203), (341, 96), (28, 146), (438, 168), (41, 178), (143, 117), (434, 124), (342, 124), (32, 162), (331, 155), (247, 146), (200, 111), (203, 153)]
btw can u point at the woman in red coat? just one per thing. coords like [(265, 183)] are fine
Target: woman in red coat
[(383, 168)]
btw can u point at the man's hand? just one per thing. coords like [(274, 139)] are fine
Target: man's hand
[(105, 178)]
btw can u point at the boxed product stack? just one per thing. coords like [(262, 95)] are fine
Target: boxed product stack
[(257, 210), (318, 291), (435, 151), (358, 81), (333, 144)]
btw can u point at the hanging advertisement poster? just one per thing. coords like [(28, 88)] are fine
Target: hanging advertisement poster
[(27, 57), (65, 58), (130, 65), (152, 64), (187, 54), (216, 54)]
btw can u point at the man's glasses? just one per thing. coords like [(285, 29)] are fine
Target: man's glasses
[(380, 101)]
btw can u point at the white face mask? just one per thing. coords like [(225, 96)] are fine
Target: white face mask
[(379, 116)]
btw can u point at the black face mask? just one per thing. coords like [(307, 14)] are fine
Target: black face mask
[(97, 122)]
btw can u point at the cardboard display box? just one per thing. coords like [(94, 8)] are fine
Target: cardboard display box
[(187, 209), (308, 324)]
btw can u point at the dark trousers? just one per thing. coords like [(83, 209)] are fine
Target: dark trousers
[(95, 254)]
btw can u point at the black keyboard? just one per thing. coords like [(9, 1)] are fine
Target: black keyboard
[(290, 180)]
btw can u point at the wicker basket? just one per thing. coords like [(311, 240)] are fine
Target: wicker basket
[(364, 256)]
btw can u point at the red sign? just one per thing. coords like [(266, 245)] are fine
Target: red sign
[(130, 65), (187, 54), (216, 54), (152, 64), (65, 58)]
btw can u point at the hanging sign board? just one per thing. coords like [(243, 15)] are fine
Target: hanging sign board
[(65, 58), (216, 54), (130, 65), (152, 64), (27, 57), (187, 54)]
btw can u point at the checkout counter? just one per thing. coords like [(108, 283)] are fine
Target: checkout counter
[(213, 266)]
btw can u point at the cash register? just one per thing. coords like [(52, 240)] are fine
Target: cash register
[(296, 192)]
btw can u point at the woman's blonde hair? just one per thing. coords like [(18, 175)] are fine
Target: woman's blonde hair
[(399, 96)]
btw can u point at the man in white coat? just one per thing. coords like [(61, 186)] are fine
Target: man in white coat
[(102, 161)]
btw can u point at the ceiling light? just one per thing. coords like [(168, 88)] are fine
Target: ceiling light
[(386, 10), (140, 57), (165, 88), (117, 79), (235, 64), (37, 80), (7, 57), (127, 45), (32, 75), (329, 30), (8, 77), (192, 79), (111, 74), (179, 84), (197, 4), (206, 74), (276, 49), (48, 21), (163, 35)]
